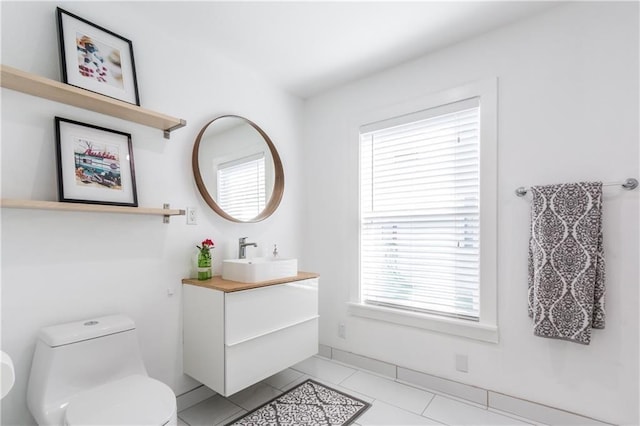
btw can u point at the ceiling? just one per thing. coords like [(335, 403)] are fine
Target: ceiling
[(308, 47)]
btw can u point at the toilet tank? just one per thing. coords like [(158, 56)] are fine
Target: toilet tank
[(77, 356)]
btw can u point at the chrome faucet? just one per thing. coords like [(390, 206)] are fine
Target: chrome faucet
[(242, 247)]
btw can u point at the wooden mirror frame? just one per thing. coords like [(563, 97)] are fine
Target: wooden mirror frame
[(278, 184)]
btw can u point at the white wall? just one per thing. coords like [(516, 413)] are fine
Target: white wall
[(62, 266), (568, 111)]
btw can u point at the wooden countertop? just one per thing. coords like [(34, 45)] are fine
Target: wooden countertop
[(217, 283)]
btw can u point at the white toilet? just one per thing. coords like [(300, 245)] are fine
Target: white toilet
[(91, 373)]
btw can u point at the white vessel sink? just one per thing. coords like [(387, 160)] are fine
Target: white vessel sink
[(258, 269)]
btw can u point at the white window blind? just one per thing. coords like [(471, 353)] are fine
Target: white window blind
[(241, 187), (420, 211)]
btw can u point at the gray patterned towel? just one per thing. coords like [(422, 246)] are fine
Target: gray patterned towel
[(566, 263)]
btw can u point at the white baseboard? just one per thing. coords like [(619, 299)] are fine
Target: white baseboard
[(477, 395)]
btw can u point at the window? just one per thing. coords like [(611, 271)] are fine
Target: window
[(241, 187), (419, 243), (425, 214)]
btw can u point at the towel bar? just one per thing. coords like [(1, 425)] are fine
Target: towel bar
[(630, 183)]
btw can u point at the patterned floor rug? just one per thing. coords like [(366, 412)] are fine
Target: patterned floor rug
[(308, 404)]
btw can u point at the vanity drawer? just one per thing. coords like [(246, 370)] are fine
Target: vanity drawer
[(256, 359), (252, 313)]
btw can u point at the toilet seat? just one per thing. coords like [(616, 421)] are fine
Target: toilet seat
[(133, 400)]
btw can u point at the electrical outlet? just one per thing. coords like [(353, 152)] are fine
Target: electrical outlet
[(192, 216), (462, 363), (342, 331)]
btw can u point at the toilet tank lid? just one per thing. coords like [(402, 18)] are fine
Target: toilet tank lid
[(74, 332)]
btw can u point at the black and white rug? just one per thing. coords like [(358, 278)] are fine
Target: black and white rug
[(308, 404)]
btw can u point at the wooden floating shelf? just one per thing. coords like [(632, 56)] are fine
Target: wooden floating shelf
[(32, 84), (79, 207)]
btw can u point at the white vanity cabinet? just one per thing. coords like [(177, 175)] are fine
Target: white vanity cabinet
[(238, 334)]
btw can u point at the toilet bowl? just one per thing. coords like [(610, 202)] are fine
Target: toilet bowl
[(133, 400), (91, 373)]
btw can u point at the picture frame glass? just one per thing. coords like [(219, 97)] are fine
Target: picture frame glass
[(95, 165), (96, 59)]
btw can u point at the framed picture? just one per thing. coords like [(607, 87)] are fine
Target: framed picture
[(95, 165), (96, 59)]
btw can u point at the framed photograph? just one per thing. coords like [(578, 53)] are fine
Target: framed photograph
[(96, 59), (95, 165)]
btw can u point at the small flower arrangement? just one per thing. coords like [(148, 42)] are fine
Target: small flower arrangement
[(204, 259)]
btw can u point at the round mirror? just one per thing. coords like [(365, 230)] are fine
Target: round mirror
[(237, 169)]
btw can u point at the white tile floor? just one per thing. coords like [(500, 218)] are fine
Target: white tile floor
[(392, 403)]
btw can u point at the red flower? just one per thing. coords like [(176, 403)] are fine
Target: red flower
[(206, 245)]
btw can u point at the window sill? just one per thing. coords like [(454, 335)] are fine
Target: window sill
[(453, 326)]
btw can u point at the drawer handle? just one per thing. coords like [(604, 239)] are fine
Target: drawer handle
[(228, 345)]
